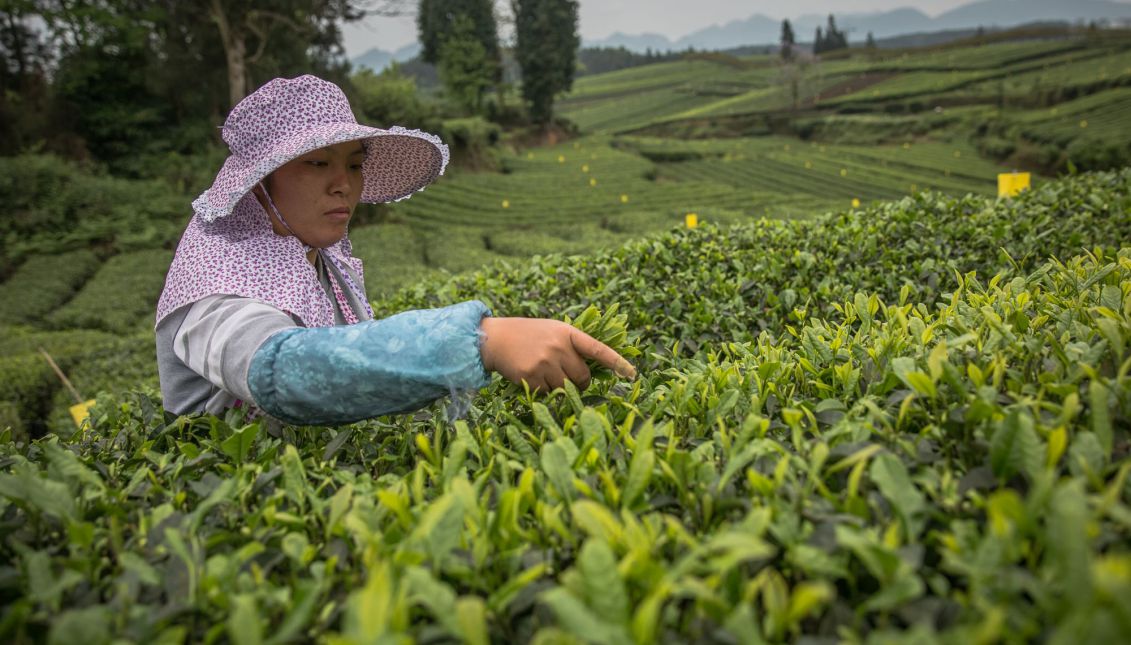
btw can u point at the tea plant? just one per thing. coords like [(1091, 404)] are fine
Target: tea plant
[(938, 453)]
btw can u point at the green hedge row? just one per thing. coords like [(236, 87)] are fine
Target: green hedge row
[(43, 283), (54, 206), (938, 456), (122, 297), (33, 399), (764, 275)]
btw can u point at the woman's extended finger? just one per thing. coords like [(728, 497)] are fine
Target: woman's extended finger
[(590, 347), (576, 371)]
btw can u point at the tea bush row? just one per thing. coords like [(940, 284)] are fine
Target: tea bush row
[(730, 284), (120, 298), (55, 206), (938, 471), (32, 397), (43, 283)]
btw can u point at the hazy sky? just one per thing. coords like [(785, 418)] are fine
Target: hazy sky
[(672, 18)]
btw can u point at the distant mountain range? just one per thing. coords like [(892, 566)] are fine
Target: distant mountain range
[(760, 29), (379, 59)]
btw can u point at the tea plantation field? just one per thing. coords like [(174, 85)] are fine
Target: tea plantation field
[(904, 422), (1024, 74)]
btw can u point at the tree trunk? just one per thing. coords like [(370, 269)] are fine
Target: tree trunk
[(15, 26), (235, 52)]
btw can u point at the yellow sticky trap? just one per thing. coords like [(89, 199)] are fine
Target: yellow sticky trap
[(80, 412), (624, 199), (1011, 183), (561, 158), (592, 181), (692, 220), (584, 167), (855, 203), (506, 203)]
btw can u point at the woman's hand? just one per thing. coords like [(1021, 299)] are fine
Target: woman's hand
[(545, 352)]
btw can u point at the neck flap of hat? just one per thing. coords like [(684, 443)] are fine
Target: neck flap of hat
[(241, 255)]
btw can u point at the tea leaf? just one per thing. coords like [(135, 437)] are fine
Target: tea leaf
[(556, 464), (238, 446), (891, 476), (244, 627), (1015, 446), (604, 590)]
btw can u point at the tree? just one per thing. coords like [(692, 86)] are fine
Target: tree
[(247, 24), (468, 21), (838, 38), (831, 39), (546, 50), (465, 69), (391, 98), (787, 40), (130, 79), (435, 20), (277, 36), (24, 60), (870, 42)]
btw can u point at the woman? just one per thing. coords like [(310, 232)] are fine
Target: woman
[(264, 305)]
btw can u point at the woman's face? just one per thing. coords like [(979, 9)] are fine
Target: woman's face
[(318, 192)]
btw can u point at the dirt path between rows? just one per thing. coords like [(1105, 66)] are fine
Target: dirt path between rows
[(851, 86)]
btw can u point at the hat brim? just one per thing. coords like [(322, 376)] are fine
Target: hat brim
[(398, 163)]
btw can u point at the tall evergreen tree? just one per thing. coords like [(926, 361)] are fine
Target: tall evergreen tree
[(546, 50), (834, 38), (464, 68), (473, 23), (787, 40), (436, 21), (830, 39)]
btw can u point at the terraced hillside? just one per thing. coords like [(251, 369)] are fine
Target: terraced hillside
[(574, 198), (596, 192), (1007, 73), (86, 284)]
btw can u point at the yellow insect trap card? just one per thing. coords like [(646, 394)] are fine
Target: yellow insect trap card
[(80, 412), (1011, 183)]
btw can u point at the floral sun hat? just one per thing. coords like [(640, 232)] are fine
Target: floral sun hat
[(287, 118), (230, 246)]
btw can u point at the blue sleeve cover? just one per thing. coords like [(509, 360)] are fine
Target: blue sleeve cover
[(335, 375)]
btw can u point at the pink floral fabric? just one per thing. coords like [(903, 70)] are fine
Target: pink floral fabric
[(287, 118), (242, 255)]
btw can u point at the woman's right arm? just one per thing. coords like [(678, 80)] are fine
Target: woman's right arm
[(347, 373), (335, 375)]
